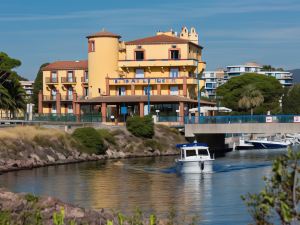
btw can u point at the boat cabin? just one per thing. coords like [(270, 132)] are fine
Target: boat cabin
[(194, 151)]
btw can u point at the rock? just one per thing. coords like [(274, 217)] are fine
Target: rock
[(61, 156), (50, 158), (35, 157)]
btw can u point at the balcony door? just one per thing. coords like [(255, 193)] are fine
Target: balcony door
[(122, 91), (54, 77), (70, 93), (53, 108), (174, 72), (70, 76), (139, 73), (174, 90), (53, 94), (70, 108)]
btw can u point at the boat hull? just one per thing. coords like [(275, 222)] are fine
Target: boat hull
[(266, 145), (194, 166)]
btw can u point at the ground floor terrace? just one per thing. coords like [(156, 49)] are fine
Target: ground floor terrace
[(116, 109)]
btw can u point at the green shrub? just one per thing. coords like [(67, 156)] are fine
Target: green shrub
[(106, 135), (90, 139), (140, 126), (31, 198)]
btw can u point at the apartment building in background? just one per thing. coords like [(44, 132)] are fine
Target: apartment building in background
[(214, 79), (123, 78)]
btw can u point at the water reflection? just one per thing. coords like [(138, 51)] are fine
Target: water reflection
[(152, 185)]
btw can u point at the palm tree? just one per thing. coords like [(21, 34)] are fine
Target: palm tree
[(17, 95), (5, 100), (250, 99)]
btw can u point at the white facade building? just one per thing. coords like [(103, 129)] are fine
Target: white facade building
[(28, 87)]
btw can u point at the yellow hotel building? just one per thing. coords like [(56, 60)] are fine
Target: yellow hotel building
[(117, 76)]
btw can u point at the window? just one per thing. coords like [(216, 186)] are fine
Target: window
[(190, 153), (86, 91), (174, 54), (53, 94), (139, 73), (174, 72), (70, 108), (91, 46), (86, 76), (122, 91), (174, 90), (70, 76), (202, 152), (70, 93), (53, 108), (54, 76), (139, 55)]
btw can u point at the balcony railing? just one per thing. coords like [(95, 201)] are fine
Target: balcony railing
[(49, 98), (84, 80), (51, 80), (145, 81), (67, 98), (158, 62), (68, 79)]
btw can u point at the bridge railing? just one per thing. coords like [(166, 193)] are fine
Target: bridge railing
[(242, 119)]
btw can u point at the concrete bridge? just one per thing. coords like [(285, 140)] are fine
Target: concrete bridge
[(243, 124)]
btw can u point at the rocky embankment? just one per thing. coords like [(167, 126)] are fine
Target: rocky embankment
[(30, 147), (28, 209)]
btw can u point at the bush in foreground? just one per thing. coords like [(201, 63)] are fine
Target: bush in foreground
[(141, 126), (90, 139), (107, 136), (280, 198)]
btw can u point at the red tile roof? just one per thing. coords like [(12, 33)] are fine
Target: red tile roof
[(67, 65), (104, 34), (160, 39)]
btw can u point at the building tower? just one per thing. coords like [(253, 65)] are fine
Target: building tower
[(103, 56)]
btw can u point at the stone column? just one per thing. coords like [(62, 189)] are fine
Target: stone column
[(58, 106), (181, 112), (40, 102), (185, 86), (107, 91), (77, 111), (141, 109), (159, 89), (74, 101), (103, 111), (132, 89)]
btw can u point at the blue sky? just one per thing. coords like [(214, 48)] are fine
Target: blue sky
[(232, 32)]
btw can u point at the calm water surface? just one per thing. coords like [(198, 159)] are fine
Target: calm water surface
[(153, 185)]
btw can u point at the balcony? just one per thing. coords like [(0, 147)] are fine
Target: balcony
[(84, 80), (49, 97), (68, 80), (157, 80), (158, 63), (67, 98), (51, 80)]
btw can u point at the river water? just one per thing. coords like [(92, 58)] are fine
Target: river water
[(152, 185)]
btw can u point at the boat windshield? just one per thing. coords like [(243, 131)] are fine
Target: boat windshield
[(202, 152), (191, 152)]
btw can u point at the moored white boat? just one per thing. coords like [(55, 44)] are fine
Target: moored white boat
[(265, 144), (194, 158)]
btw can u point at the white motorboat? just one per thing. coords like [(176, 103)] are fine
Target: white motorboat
[(264, 143), (242, 145), (194, 158)]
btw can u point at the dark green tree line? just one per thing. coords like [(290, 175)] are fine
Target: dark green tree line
[(264, 95)]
